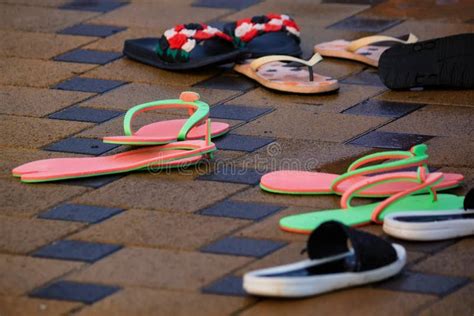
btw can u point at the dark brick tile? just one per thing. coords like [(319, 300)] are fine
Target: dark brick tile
[(93, 5), (93, 182), (73, 291), (80, 213), (77, 145), (241, 210), (76, 250), (242, 142), (390, 140), (236, 5), (370, 78), (228, 285), (227, 81), (83, 114), (383, 108), (362, 24), (232, 174), (237, 112), (239, 246), (423, 283), (96, 30), (87, 56), (89, 85)]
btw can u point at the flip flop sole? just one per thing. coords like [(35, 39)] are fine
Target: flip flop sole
[(361, 215), (443, 62)]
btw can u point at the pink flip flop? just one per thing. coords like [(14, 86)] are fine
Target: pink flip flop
[(165, 132), (178, 154), (366, 50), (306, 182)]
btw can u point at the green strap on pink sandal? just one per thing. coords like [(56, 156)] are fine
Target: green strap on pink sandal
[(308, 182), (403, 201), (165, 132)]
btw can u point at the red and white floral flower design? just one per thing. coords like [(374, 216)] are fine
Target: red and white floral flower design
[(247, 29)]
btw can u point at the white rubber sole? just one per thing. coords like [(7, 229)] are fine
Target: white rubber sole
[(257, 283), (429, 231)]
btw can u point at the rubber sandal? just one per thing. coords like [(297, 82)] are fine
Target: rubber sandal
[(430, 226), (184, 47), (164, 132), (179, 154), (404, 201), (442, 62), (297, 76), (271, 34), (309, 183), (339, 257), (366, 50)]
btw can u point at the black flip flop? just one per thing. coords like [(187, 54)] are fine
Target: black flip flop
[(184, 47), (442, 62)]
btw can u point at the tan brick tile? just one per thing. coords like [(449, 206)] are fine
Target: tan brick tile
[(136, 301), (22, 235), (348, 96), (258, 195), (425, 30), (15, 306), (14, 157), (451, 151), (38, 45), (151, 193), (269, 227), (19, 274), (436, 120), (457, 303), (441, 97), (130, 70), (39, 19), (454, 260), (20, 199), (145, 15), (115, 42), (37, 73), (306, 155), (333, 127), (125, 97), (36, 102), (160, 229), (35, 132), (361, 301), (157, 268)]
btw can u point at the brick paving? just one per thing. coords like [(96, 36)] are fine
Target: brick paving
[(178, 243)]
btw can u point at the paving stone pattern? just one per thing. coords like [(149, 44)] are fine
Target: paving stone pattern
[(178, 242)]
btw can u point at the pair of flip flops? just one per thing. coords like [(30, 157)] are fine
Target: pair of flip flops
[(386, 179), (441, 62), (180, 143)]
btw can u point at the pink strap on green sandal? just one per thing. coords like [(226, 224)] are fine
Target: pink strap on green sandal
[(178, 154), (306, 182), (403, 201), (164, 132)]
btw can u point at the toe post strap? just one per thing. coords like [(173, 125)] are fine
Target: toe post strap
[(333, 238), (259, 62), (366, 41)]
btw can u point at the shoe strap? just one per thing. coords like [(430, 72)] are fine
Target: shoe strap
[(366, 41), (259, 62), (397, 160), (197, 110), (422, 177)]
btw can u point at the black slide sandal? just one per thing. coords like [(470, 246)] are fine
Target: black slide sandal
[(442, 62), (339, 257), (184, 47)]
